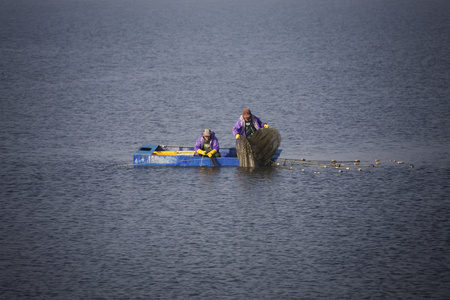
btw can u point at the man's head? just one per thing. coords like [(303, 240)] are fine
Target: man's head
[(207, 134), (247, 114)]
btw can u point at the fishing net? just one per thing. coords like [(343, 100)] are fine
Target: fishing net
[(244, 153), (257, 151)]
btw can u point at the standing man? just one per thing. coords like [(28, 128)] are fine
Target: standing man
[(247, 124), (207, 144)]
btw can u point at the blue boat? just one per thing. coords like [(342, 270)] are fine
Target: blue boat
[(180, 156)]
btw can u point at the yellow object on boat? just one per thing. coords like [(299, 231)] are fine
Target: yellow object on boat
[(185, 153), (174, 153), (165, 152)]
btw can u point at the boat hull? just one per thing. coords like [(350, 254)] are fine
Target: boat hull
[(178, 156)]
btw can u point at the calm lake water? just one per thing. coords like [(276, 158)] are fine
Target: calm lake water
[(84, 83)]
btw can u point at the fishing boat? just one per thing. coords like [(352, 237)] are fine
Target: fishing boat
[(180, 156)]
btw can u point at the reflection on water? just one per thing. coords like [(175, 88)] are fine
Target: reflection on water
[(207, 176), (256, 172)]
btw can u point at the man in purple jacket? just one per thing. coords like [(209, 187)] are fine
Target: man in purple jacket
[(247, 124), (207, 144)]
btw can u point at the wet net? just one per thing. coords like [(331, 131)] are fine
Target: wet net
[(258, 150), (244, 153)]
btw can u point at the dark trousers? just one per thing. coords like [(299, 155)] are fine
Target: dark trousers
[(217, 154)]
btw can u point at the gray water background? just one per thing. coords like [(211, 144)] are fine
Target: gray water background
[(84, 83)]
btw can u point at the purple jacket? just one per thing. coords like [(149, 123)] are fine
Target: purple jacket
[(239, 127), (201, 141)]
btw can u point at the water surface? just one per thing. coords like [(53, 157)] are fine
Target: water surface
[(84, 84)]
